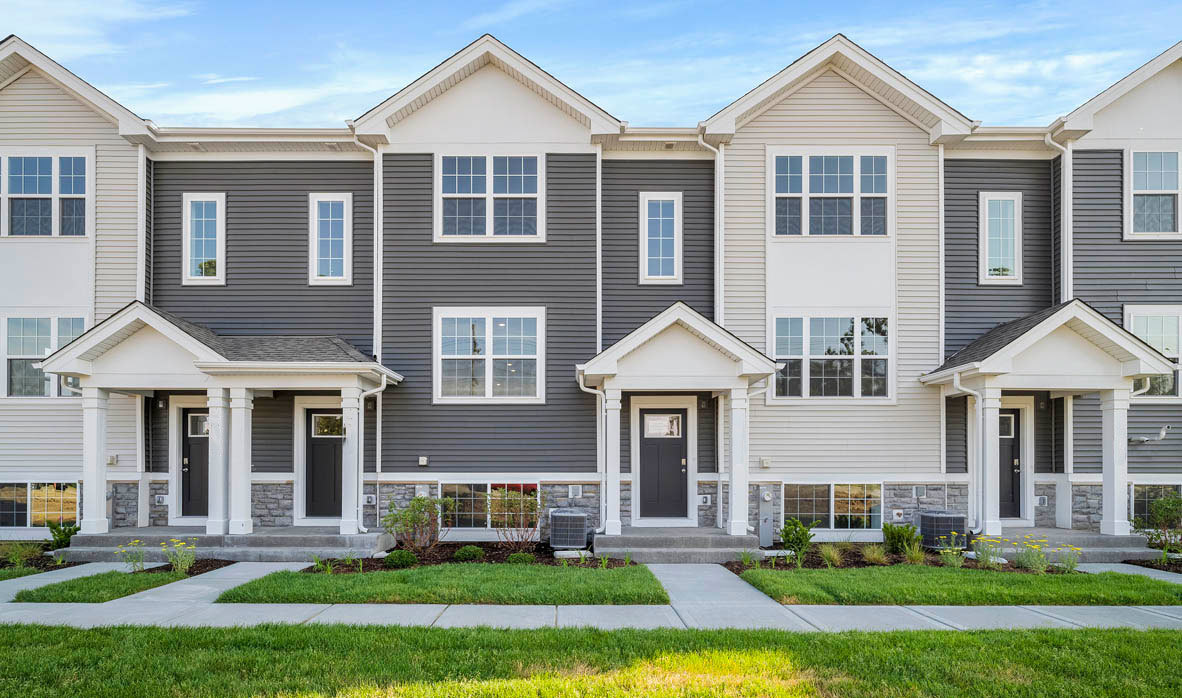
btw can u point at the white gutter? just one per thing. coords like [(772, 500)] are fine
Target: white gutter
[(361, 454), (980, 417), (719, 229), (600, 447), (1066, 227)]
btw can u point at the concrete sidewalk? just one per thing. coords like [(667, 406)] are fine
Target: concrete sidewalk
[(1096, 567)]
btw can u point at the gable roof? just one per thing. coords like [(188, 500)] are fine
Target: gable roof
[(997, 340), (1080, 120), (486, 50), (860, 67)]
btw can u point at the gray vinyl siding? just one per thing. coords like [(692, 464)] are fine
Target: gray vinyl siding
[(266, 289), (972, 309), (956, 435), (626, 303), (1056, 227), (149, 186), (420, 274), (707, 446)]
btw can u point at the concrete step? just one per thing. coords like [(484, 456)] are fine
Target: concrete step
[(362, 541), (259, 554), (688, 540), (671, 555), (114, 540)]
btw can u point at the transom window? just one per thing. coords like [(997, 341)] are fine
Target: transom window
[(36, 504), (469, 209), (42, 195), (842, 357), (1000, 238), (1155, 193), (836, 506), (1159, 327), (838, 194), (660, 237), (490, 355), (330, 239), (327, 426), (204, 238)]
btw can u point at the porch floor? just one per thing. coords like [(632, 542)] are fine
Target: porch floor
[(1094, 546)]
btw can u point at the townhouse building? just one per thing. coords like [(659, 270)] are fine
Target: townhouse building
[(838, 295)]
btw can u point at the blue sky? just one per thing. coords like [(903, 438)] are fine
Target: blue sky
[(663, 62)]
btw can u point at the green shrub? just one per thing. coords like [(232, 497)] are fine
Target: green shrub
[(415, 527), (875, 554), (987, 552), (62, 533), (521, 558), (399, 559), (897, 537), (951, 557), (797, 538), (468, 553), (20, 554), (913, 553), (1031, 557), (831, 554)]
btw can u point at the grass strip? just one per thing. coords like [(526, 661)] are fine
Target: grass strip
[(97, 588)]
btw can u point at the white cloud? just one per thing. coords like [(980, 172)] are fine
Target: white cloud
[(514, 9), (69, 30), (215, 79)]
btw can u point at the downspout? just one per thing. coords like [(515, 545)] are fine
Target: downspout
[(1066, 242), (719, 229), (600, 448), (377, 346), (361, 452), (980, 418)]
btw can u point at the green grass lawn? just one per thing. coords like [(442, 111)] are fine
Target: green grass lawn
[(14, 572), (914, 584), (370, 661), (97, 588), (459, 583)]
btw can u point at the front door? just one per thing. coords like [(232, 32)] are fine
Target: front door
[(663, 476), (1009, 454), (194, 463), (322, 469)]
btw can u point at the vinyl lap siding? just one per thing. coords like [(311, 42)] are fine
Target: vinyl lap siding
[(266, 289), (420, 275), (626, 303), (972, 309), (148, 205), (902, 438), (956, 434)]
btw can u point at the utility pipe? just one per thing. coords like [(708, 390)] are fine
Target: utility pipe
[(719, 229), (1066, 271), (600, 447), (361, 452), (980, 417)]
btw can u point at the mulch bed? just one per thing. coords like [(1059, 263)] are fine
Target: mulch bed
[(43, 563), (443, 554), (1174, 565), (853, 559), (199, 567)]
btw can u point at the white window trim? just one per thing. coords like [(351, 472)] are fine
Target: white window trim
[(678, 239), (488, 313), (56, 389), (29, 502), (474, 533), (313, 251), (488, 237), (1132, 311), (856, 152), (220, 278), (1129, 193), (832, 485), (983, 199), (806, 314), (56, 195)]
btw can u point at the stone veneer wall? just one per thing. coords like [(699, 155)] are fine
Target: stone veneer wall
[(626, 503), (391, 496), (125, 504), (708, 513), (272, 504), (557, 496), (895, 495), (157, 513), (1044, 515), (1085, 507)]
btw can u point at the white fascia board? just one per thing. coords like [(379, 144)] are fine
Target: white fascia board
[(352, 368), (946, 375)]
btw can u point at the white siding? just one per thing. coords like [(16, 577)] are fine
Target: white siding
[(900, 439)]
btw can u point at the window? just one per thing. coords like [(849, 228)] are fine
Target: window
[(841, 357), (1159, 327), (510, 208), (490, 505), (490, 355), (327, 426), (29, 340), (1000, 238), (69, 329), (660, 237), (204, 226), (837, 506), (662, 426), (330, 239), (832, 192), (1005, 426), (1144, 495), (1154, 196), (35, 504), (42, 195)]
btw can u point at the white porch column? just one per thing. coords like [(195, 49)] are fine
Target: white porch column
[(1114, 500), (94, 461), (737, 523), (613, 526), (218, 401), (350, 408), (241, 407), (991, 480)]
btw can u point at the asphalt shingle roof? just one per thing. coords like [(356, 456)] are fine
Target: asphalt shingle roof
[(998, 338)]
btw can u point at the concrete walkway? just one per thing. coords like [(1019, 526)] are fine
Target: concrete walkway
[(1096, 567)]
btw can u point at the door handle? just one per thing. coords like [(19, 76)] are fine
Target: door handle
[(184, 470), (683, 470), (1017, 470)]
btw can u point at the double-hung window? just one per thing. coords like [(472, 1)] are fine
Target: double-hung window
[(832, 357), (999, 245), (1159, 326), (204, 224), (830, 192), (330, 239), (851, 506), (45, 194), (492, 355), (490, 198), (1151, 209), (28, 340), (660, 237)]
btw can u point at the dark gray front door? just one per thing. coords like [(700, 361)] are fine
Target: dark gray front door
[(663, 468), (322, 482), (1009, 455), (194, 463)]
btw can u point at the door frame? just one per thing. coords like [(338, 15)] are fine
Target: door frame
[(176, 405), (1025, 406), (304, 405), (689, 403)]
